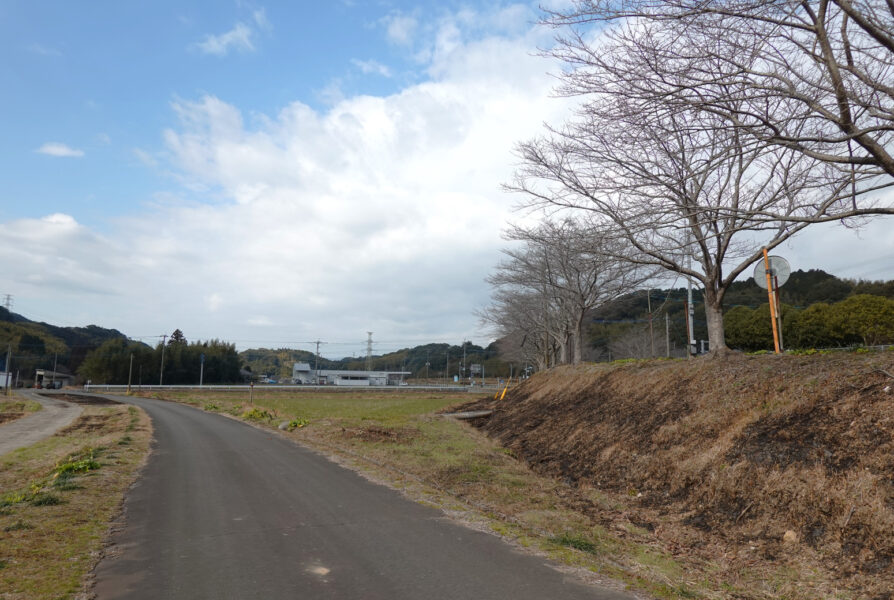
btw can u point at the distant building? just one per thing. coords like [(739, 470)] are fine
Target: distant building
[(302, 374), (47, 378), (4, 378)]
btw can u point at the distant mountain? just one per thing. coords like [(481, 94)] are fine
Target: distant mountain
[(427, 360), (11, 317), (38, 345)]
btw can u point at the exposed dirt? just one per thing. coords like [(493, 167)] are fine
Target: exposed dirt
[(86, 423), (83, 399), (761, 462)]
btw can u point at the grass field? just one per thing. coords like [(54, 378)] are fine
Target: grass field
[(58, 497), (398, 439)]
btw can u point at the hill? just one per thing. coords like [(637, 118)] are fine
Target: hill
[(772, 462), (38, 345), (427, 361)]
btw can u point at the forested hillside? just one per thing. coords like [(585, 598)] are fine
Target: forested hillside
[(620, 329), (36, 345)]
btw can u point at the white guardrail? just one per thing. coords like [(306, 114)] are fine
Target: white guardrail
[(102, 387)]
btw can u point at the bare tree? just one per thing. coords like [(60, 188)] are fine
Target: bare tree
[(685, 150), (562, 270), (680, 190), (816, 76)]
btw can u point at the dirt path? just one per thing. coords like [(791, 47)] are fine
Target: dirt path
[(55, 415)]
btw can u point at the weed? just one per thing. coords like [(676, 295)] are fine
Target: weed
[(256, 414), (13, 498), (45, 499), (3, 564), (65, 484), (211, 407), (73, 466), (574, 541), (18, 526), (297, 423), (124, 441)]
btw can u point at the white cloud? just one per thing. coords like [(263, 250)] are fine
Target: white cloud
[(376, 214), (238, 38), (259, 16), (372, 67), (145, 157), (59, 149), (400, 28)]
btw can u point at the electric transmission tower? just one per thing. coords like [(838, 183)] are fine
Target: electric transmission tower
[(369, 350), (7, 302)]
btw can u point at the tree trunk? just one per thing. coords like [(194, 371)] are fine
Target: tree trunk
[(714, 314), (578, 339)]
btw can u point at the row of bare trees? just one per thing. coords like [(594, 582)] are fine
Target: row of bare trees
[(551, 278), (707, 130)]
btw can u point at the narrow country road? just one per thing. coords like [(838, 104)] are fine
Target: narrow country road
[(32, 428), (227, 511)]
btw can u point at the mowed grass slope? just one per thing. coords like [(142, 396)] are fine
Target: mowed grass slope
[(58, 497)]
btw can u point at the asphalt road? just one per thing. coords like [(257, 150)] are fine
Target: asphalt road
[(224, 510)]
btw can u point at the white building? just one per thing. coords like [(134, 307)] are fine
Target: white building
[(303, 374)]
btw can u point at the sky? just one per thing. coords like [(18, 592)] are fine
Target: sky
[(276, 173)]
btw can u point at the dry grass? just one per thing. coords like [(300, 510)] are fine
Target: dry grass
[(14, 407), (769, 477), (58, 497)]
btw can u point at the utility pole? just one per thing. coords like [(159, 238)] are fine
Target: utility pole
[(201, 368), (447, 366), (462, 370), (651, 336), (129, 373), (317, 362), (690, 325), (55, 362), (369, 350), (8, 355), (161, 372), (667, 333)]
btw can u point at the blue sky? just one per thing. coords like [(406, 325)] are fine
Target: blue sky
[(99, 78), (272, 173)]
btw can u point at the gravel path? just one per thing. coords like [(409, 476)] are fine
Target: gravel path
[(29, 430)]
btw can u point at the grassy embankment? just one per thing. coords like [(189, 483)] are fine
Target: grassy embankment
[(14, 407), (58, 497), (397, 438)]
